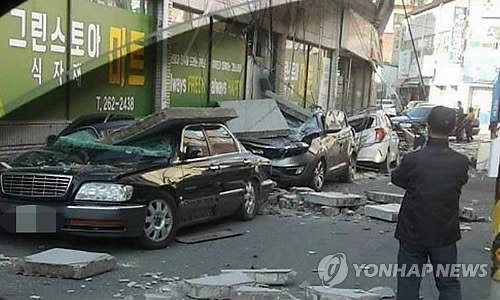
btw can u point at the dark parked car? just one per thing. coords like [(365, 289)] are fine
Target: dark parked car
[(146, 187), (321, 147)]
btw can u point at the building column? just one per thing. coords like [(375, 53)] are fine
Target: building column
[(163, 72)]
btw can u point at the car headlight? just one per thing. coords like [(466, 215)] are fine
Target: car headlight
[(405, 125), (100, 191)]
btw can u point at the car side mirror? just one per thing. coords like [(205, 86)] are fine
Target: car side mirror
[(192, 151), (50, 139)]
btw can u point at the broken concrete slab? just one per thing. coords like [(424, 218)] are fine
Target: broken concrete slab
[(168, 118), (259, 293), (326, 293), (382, 197), (330, 211), (386, 212), (207, 236), (468, 214), (334, 199), (384, 292), (256, 119), (216, 287), (267, 276), (65, 263)]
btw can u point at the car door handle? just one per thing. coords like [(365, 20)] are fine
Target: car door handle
[(246, 161), (214, 167)]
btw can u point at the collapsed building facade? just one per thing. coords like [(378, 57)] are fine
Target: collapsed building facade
[(76, 57)]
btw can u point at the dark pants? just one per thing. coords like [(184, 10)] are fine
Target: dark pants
[(409, 286)]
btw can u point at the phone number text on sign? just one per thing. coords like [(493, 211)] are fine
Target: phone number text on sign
[(112, 103)]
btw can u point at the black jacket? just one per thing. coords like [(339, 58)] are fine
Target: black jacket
[(433, 178)]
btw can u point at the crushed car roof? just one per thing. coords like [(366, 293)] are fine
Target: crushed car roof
[(168, 118)]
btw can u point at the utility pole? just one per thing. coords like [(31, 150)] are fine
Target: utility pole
[(495, 224), (414, 50)]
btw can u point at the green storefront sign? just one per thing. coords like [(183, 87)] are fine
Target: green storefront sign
[(101, 51), (189, 68)]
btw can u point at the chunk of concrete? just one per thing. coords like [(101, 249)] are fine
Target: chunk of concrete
[(382, 197), (267, 276), (330, 211), (386, 212), (468, 214), (384, 292), (65, 263), (216, 287), (326, 293), (259, 293), (334, 199)]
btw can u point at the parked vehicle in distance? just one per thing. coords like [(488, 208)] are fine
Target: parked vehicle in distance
[(377, 141), (146, 186), (388, 106), (320, 148), (412, 104)]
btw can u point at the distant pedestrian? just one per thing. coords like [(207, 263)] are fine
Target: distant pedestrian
[(460, 122), (469, 121), (428, 222)]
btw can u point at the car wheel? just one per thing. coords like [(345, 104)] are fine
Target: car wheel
[(248, 208), (160, 224), (319, 176), (350, 171)]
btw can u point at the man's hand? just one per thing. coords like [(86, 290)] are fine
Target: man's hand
[(401, 176)]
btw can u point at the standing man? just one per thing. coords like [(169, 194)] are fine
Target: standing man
[(460, 122), (428, 223)]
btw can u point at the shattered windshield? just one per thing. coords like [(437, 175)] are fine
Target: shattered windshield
[(83, 147), (309, 127)]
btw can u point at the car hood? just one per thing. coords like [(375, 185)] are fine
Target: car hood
[(276, 148), (407, 119)]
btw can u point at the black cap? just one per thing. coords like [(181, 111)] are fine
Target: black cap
[(442, 120)]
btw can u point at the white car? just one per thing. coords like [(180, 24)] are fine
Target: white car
[(388, 106), (377, 142)]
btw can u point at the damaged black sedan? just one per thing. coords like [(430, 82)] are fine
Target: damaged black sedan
[(145, 181)]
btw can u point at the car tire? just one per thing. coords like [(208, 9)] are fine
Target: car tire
[(161, 223), (350, 170), (319, 176), (249, 207)]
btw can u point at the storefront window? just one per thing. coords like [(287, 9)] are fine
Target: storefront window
[(138, 6)]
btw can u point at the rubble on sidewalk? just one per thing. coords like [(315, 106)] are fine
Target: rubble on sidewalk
[(334, 199), (64, 263), (217, 287), (267, 276), (386, 212), (384, 292), (468, 214), (200, 237), (259, 293), (326, 293), (383, 197)]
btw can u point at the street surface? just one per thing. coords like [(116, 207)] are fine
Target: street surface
[(281, 241)]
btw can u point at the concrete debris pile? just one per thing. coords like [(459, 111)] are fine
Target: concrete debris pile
[(383, 197), (386, 212), (468, 214), (232, 284), (64, 263), (303, 201)]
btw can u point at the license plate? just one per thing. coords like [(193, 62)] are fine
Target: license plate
[(35, 219)]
